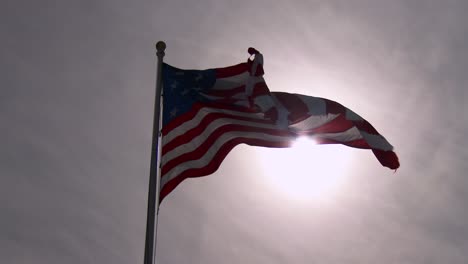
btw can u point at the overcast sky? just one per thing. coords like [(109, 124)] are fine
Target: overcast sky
[(76, 105)]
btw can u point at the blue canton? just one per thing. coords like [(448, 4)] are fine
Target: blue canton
[(182, 88)]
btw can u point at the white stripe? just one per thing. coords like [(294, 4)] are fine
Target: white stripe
[(313, 121), (350, 115), (209, 155), (283, 113), (242, 103), (202, 113), (315, 105), (345, 136), (231, 82), (258, 59), (240, 96), (374, 141), (265, 102), (251, 82), (377, 141), (212, 97), (196, 142)]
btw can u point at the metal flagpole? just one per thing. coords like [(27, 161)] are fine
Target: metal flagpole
[(154, 181)]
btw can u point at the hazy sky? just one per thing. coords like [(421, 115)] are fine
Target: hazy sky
[(76, 105)]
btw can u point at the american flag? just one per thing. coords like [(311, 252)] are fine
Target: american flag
[(206, 113)]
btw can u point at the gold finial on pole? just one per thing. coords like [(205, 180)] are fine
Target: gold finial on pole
[(161, 47)]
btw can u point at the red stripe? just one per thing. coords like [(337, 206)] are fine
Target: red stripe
[(297, 108), (366, 127), (334, 107), (176, 122), (358, 143), (226, 93), (260, 89), (230, 102), (237, 108), (211, 138), (232, 70), (341, 122), (182, 119), (204, 123), (214, 164), (337, 125), (387, 158), (259, 71)]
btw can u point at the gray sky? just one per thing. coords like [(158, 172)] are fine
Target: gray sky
[(76, 104)]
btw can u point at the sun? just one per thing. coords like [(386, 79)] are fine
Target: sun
[(306, 170)]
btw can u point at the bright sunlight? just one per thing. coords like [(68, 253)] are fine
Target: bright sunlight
[(306, 170)]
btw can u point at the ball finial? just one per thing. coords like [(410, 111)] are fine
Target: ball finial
[(160, 46)]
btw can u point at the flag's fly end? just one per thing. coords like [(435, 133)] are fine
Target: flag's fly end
[(388, 159)]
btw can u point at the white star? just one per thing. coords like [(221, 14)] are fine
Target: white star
[(185, 92), (174, 85), (174, 112)]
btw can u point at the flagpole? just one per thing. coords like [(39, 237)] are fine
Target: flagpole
[(154, 181)]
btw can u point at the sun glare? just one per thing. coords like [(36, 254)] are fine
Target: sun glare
[(306, 170)]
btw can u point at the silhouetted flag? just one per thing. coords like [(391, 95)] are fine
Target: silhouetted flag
[(206, 113)]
